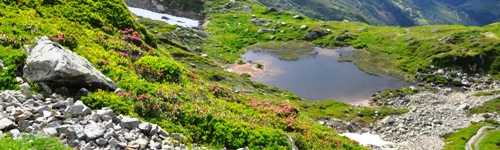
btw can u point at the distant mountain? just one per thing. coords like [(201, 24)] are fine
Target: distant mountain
[(397, 12)]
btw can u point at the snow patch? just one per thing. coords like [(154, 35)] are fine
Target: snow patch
[(180, 21), (368, 139)]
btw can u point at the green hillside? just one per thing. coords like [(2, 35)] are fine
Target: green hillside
[(165, 83)]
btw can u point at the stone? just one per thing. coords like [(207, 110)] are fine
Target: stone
[(26, 90), (154, 145), (78, 108), (23, 115), (50, 131), (315, 34), (101, 142), (129, 123), (93, 131), (105, 114), (463, 107), (15, 133), (6, 124), (52, 64), (113, 142), (298, 17), (260, 22), (41, 109), (140, 143), (303, 27), (145, 127)]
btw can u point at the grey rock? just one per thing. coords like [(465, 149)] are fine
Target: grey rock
[(50, 63), (298, 17), (260, 22), (6, 124), (315, 34), (15, 133), (68, 131), (78, 108), (26, 90), (139, 143), (129, 123), (105, 114), (93, 131), (154, 145), (50, 131), (145, 127), (101, 142)]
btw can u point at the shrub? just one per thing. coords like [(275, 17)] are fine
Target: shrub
[(159, 69), (13, 62), (65, 40), (233, 135), (100, 99), (151, 107)]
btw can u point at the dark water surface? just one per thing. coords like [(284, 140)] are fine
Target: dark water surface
[(320, 75)]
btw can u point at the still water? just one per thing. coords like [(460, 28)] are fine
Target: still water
[(319, 74)]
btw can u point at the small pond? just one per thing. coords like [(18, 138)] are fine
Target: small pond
[(318, 74)]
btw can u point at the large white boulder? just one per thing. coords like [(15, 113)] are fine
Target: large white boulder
[(51, 64)]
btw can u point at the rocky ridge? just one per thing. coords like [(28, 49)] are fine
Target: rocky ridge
[(77, 125)]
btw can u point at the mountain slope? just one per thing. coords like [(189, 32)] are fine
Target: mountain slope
[(397, 12)]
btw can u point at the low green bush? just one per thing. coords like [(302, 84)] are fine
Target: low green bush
[(159, 69), (232, 135), (120, 104), (13, 61)]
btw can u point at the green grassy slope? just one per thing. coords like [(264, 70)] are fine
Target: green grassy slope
[(459, 139), (490, 141)]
